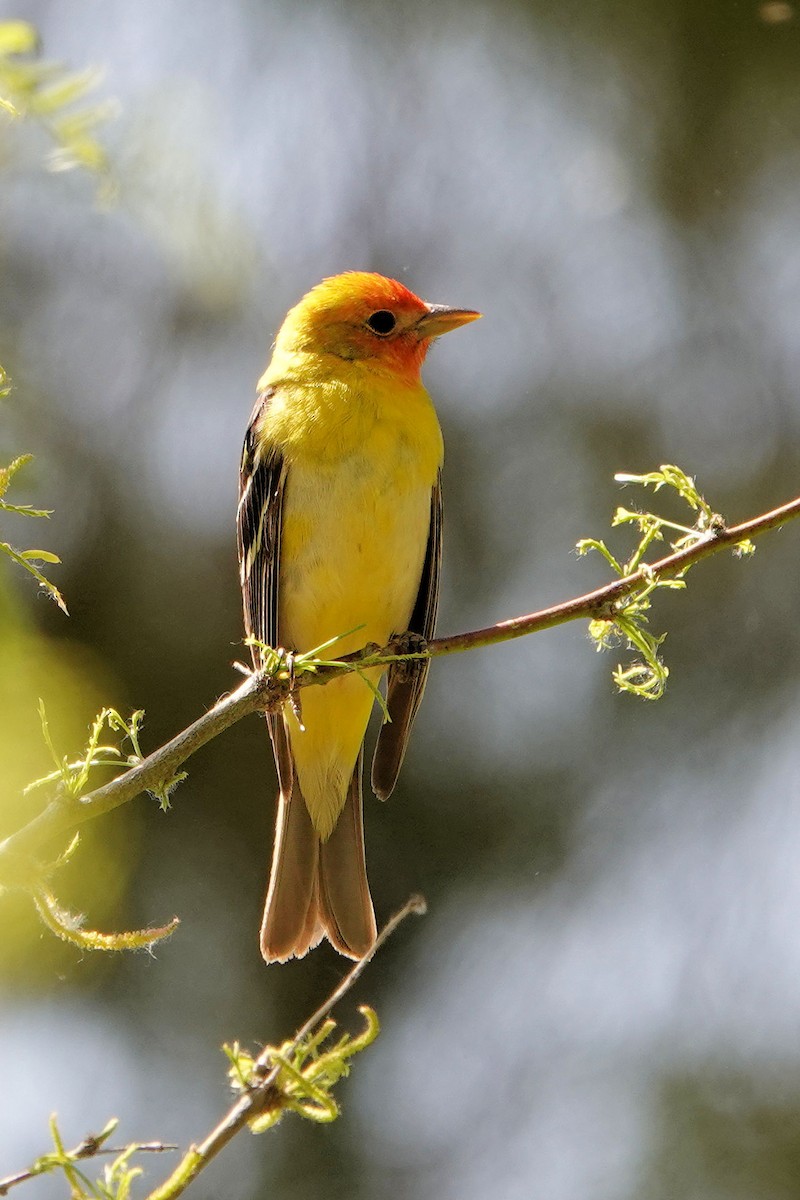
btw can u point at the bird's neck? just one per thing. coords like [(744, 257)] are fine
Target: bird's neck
[(328, 410)]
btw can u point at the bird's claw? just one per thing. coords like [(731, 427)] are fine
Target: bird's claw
[(408, 643)]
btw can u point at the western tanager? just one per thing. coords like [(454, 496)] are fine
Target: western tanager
[(339, 529)]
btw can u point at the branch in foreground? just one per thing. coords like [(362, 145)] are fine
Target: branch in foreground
[(271, 1086), (119, 1173), (266, 693), (600, 603), (264, 1094)]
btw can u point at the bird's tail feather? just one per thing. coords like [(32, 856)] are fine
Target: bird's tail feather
[(345, 905), (318, 889), (290, 925)]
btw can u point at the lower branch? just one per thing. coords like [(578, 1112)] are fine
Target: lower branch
[(263, 1094), (271, 1086)]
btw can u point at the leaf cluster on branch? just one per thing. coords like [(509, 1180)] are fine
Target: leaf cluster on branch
[(53, 97), (297, 1076), (29, 560)]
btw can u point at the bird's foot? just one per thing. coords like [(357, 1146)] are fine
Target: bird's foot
[(408, 643)]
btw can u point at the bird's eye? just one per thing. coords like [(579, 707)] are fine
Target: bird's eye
[(382, 322)]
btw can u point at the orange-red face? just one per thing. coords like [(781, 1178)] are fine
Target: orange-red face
[(360, 315)]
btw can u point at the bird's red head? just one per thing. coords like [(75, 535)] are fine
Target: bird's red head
[(360, 316)]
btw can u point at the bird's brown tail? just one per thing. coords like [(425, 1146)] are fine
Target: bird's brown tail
[(318, 889)]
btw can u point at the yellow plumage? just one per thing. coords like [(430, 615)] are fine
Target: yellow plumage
[(337, 531), (356, 511)]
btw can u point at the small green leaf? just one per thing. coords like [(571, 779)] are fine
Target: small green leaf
[(306, 1073), (49, 588), (40, 556), (67, 90), (17, 37), (68, 926), (162, 792), (8, 473), (586, 544), (34, 89), (647, 676), (376, 693), (25, 510)]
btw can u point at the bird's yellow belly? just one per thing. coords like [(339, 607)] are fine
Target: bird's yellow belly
[(353, 546)]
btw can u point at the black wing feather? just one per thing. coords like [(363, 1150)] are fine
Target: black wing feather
[(406, 681), (258, 528)]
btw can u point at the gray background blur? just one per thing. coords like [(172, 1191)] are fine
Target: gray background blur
[(604, 1001)]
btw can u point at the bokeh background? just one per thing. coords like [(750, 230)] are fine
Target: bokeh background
[(604, 1000)]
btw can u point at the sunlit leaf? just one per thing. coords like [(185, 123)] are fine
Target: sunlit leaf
[(40, 556), (18, 37)]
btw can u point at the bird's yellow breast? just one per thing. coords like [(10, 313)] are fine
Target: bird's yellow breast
[(361, 452), (362, 455)]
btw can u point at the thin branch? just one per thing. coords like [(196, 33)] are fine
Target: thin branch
[(263, 1094), (65, 813), (260, 693), (600, 602), (88, 1148)]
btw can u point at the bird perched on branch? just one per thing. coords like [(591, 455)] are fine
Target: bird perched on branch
[(339, 530)]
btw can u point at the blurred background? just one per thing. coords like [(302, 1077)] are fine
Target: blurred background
[(604, 1000)]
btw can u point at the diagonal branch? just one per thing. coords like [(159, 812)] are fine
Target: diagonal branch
[(88, 1148), (65, 813), (600, 602), (262, 693), (263, 1094)]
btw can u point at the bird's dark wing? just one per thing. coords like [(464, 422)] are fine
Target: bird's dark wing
[(258, 527), (406, 681)]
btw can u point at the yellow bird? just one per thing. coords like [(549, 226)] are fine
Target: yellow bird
[(339, 529)]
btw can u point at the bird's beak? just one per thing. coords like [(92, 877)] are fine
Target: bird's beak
[(440, 319)]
